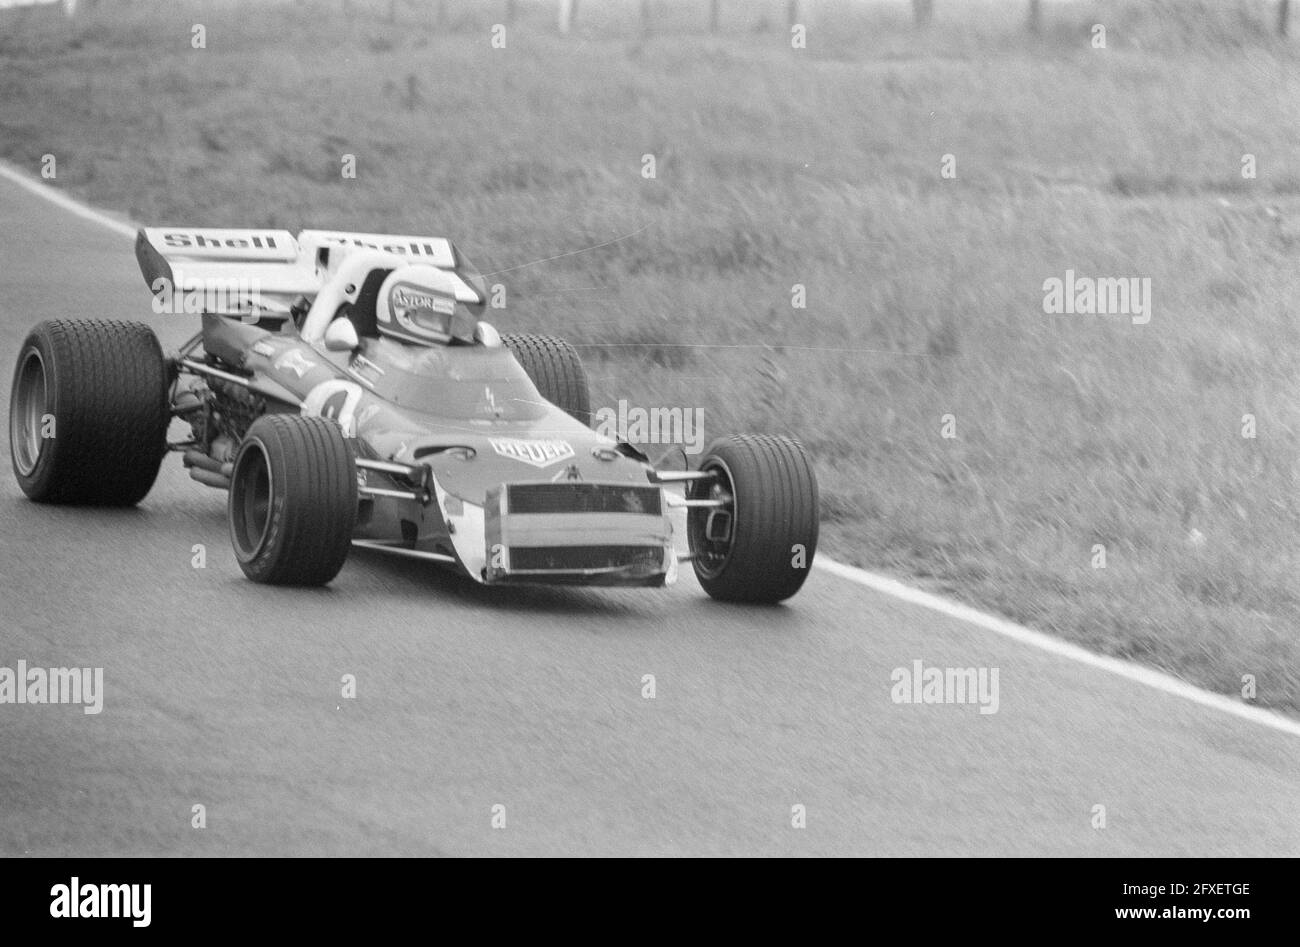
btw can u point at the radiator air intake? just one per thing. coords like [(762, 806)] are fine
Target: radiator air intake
[(577, 533)]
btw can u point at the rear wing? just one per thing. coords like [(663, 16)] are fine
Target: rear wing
[(250, 272)]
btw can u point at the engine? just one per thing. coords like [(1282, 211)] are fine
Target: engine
[(219, 413), (233, 410)]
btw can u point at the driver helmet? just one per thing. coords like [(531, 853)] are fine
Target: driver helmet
[(417, 303)]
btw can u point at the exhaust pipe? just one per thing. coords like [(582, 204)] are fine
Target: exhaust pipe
[(209, 478), (207, 471), (196, 458)]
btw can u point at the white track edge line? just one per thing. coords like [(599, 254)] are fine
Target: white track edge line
[(1158, 680), (67, 203)]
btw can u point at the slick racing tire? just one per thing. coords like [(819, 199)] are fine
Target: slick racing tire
[(556, 370), (757, 544), (88, 412), (293, 500)]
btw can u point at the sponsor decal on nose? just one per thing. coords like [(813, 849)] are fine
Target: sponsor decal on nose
[(536, 451)]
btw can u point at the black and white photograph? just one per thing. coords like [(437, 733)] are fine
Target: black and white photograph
[(657, 429)]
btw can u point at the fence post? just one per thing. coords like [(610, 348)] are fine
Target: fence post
[(792, 13), (645, 17), (510, 11), (1283, 16), (713, 15), (1035, 16), (922, 11), (566, 15)]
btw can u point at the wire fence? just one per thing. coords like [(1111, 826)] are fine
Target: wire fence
[(712, 13)]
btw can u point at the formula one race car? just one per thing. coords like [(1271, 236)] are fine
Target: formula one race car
[(346, 392)]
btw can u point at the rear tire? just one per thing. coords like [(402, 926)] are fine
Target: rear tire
[(293, 500), (760, 545), (88, 412), (556, 370)]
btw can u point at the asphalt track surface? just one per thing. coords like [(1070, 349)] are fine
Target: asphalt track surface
[(226, 694)]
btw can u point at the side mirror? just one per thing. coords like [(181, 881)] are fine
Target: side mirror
[(486, 334), (341, 336)]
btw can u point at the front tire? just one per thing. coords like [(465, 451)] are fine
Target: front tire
[(758, 544), (555, 368), (293, 500), (88, 412)]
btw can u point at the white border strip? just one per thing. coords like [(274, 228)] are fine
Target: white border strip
[(1149, 677), (1071, 652)]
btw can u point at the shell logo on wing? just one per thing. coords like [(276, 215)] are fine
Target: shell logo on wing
[(536, 451)]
